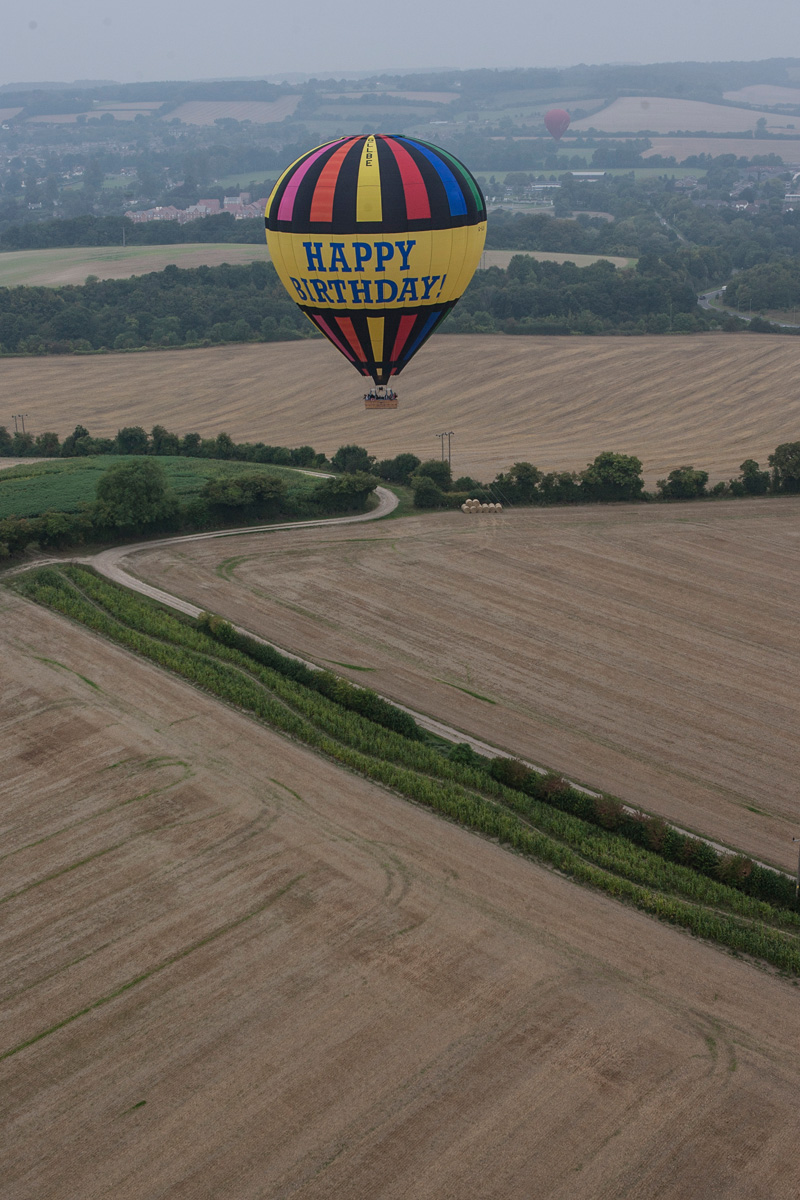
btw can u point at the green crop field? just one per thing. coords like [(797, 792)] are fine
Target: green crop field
[(62, 485)]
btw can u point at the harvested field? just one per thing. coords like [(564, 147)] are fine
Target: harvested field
[(428, 97), (273, 978), (128, 105), (711, 400), (629, 114), (126, 112), (652, 651), (260, 112), (765, 93), (501, 258), (55, 118), (121, 110), (53, 268), (682, 147)]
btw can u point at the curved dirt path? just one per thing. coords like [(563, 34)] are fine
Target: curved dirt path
[(109, 562)]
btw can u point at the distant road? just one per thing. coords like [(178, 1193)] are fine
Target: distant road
[(704, 300)]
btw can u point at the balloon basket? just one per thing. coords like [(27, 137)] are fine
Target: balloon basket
[(380, 397)]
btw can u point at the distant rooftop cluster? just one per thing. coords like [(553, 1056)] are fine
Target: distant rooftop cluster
[(240, 207)]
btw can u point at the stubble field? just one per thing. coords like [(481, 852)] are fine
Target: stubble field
[(232, 969), (54, 268), (651, 651), (711, 400), (663, 114), (787, 148)]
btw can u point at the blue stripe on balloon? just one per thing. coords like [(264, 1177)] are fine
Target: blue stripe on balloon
[(423, 333), (455, 196)]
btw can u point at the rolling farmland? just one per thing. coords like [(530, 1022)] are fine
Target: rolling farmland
[(233, 968), (765, 93), (54, 268), (501, 258), (260, 112), (711, 400), (683, 147), (649, 651), (660, 114)]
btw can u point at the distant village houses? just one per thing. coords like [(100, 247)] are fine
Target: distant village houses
[(240, 207)]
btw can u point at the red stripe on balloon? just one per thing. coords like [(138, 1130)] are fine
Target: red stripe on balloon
[(403, 334), (348, 329), (326, 329), (324, 192), (418, 206), (286, 207)]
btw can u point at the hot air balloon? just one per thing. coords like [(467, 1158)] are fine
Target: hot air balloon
[(557, 122), (376, 237)]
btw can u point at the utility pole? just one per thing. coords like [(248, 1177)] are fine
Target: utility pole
[(448, 434)]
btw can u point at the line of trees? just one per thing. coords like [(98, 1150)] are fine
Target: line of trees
[(134, 439), (608, 478), (91, 230), (198, 306), (206, 306)]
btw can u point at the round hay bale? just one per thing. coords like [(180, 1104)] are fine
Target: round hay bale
[(465, 507), (484, 508), (498, 508)]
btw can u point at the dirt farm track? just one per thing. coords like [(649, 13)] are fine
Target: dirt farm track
[(710, 400), (245, 974)]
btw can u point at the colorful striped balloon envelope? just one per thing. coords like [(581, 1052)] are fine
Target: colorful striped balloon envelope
[(376, 237)]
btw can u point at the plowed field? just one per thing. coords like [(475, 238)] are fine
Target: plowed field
[(652, 651), (232, 970), (711, 400)]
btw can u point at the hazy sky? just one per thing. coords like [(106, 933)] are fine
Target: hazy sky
[(173, 39)]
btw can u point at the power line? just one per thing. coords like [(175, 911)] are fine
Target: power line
[(447, 434)]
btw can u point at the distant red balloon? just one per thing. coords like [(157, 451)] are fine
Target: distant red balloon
[(557, 122)]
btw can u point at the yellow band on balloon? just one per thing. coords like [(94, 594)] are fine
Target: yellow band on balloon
[(369, 205), (377, 271)]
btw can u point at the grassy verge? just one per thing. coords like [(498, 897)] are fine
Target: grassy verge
[(258, 682)]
